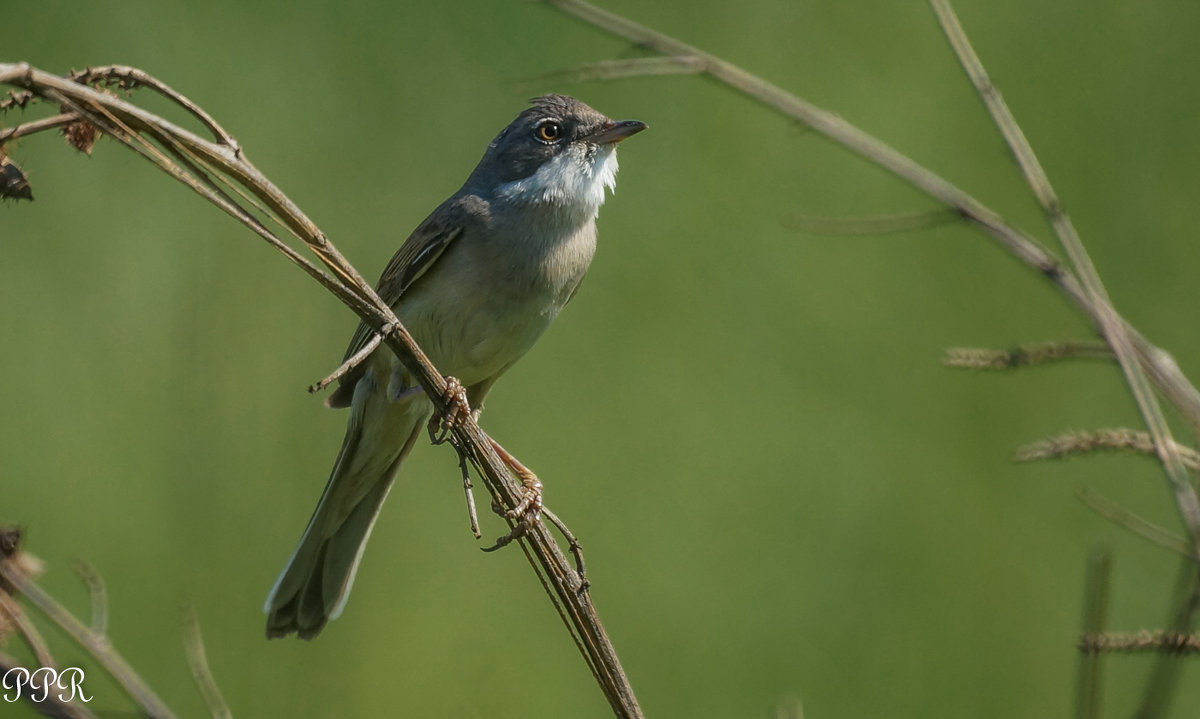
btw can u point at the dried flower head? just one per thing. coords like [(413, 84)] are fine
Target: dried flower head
[(81, 135), (13, 182)]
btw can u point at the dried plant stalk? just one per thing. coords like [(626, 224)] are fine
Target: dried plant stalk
[(1121, 439), (978, 358)]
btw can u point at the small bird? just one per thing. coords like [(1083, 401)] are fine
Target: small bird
[(475, 284)]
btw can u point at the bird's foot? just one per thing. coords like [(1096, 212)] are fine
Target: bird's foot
[(528, 508), (454, 399)]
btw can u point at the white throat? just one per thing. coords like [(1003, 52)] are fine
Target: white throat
[(572, 180)]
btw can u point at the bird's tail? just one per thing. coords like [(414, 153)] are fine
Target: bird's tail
[(314, 586)]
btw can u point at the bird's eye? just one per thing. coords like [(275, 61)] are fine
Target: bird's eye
[(548, 131)]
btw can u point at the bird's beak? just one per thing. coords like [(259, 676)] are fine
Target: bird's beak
[(613, 132)]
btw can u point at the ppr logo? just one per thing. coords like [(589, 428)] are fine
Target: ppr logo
[(38, 684)]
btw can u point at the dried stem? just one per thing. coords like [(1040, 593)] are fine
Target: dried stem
[(36, 126), (97, 644), (1161, 367), (50, 705), (1095, 614), (1104, 316), (878, 225), (11, 611), (348, 365), (130, 78), (1156, 641), (98, 593), (625, 68), (1024, 356), (1142, 363), (193, 644), (1113, 440), (193, 161), (1133, 522), (1107, 322)]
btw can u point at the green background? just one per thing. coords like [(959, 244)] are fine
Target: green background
[(781, 493)]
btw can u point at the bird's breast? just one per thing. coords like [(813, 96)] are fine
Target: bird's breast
[(496, 295)]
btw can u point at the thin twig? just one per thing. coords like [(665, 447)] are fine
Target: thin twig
[(18, 619), (1090, 679), (625, 68), (348, 365), (98, 645), (573, 545), (1144, 528), (35, 126), (197, 658), (98, 593), (465, 469), (1164, 676), (131, 77), (878, 225)]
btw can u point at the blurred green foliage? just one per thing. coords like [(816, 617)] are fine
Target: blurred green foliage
[(780, 491)]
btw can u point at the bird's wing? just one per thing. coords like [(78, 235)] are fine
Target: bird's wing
[(418, 253)]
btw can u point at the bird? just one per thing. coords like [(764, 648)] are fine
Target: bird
[(475, 284)]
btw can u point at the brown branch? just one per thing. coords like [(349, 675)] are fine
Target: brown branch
[(12, 616), (130, 78), (195, 157), (358, 358), (35, 126)]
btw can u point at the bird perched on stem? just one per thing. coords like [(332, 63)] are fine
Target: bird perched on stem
[(475, 284)]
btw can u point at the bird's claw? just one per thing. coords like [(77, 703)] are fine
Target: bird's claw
[(455, 401), (526, 512), (530, 506)]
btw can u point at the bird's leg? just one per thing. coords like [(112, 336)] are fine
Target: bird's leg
[(530, 506), (455, 398), (528, 509)]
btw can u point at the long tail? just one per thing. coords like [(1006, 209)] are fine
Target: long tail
[(315, 584)]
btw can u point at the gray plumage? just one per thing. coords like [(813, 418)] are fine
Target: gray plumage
[(476, 284)]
